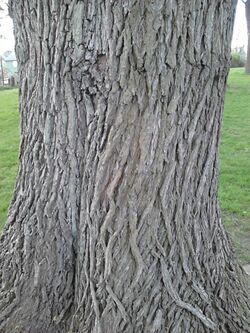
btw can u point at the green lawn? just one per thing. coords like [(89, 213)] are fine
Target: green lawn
[(235, 162), (234, 156), (9, 142)]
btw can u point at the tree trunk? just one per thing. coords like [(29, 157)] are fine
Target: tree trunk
[(247, 5), (114, 225), (2, 72)]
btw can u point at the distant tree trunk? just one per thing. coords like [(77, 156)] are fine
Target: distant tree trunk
[(114, 224), (247, 6), (2, 72)]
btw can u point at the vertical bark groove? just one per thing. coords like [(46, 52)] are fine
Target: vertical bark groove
[(114, 225)]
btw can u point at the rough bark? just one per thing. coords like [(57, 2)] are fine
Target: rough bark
[(247, 7), (114, 225)]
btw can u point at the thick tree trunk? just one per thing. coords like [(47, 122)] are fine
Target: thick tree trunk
[(114, 224), (247, 4)]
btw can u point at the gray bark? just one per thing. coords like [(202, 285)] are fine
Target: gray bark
[(114, 225), (247, 7)]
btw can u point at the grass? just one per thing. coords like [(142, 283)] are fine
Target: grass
[(234, 190), (9, 143), (235, 162)]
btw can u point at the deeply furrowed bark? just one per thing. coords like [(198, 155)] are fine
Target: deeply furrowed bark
[(114, 224)]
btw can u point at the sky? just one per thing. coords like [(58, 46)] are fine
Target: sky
[(239, 36), (240, 27)]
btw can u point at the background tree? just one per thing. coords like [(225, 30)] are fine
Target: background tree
[(247, 10), (114, 224), (1, 61)]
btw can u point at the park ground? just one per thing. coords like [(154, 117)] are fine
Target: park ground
[(234, 190)]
